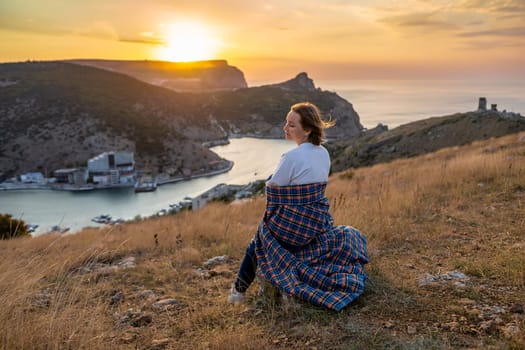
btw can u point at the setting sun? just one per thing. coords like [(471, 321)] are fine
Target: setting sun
[(187, 41)]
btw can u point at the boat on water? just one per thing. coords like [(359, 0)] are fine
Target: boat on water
[(148, 186), (106, 219), (102, 219)]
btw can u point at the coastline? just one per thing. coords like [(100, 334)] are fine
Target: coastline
[(68, 187), (247, 161), (191, 177), (10, 186)]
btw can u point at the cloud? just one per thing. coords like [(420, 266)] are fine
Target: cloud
[(503, 32), (98, 30), (141, 40), (420, 19), (494, 6)]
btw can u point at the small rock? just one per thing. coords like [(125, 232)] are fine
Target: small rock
[(456, 275), (164, 303), (147, 294), (134, 318), (218, 260), (516, 309), (142, 320), (411, 330), (428, 278), (127, 262), (498, 310), (116, 298), (459, 285), (158, 344)]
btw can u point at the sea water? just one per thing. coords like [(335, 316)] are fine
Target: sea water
[(253, 159), (397, 102)]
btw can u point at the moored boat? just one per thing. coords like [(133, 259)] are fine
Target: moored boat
[(102, 219), (148, 186)]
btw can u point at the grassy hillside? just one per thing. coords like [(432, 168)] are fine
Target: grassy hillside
[(457, 210), (422, 136)]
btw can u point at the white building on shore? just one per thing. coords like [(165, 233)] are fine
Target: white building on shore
[(112, 168), (35, 177), (75, 176)]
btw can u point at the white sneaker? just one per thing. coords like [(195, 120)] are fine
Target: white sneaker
[(235, 297)]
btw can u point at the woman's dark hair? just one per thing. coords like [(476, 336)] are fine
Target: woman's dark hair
[(311, 121)]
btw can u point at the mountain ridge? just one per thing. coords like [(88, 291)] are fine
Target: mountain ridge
[(56, 114), (198, 76)]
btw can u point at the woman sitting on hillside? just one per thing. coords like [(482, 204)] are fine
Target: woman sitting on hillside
[(297, 247)]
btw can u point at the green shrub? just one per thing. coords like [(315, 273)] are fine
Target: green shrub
[(11, 228)]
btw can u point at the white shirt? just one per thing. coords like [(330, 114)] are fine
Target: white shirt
[(304, 164)]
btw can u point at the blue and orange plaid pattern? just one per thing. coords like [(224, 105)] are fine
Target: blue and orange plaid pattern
[(301, 252)]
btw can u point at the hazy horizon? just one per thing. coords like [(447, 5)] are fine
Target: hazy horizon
[(333, 39)]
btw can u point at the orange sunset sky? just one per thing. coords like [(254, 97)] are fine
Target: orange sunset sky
[(274, 40)]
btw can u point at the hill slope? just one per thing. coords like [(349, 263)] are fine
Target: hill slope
[(445, 236), (56, 114), (260, 111), (179, 76), (420, 137)]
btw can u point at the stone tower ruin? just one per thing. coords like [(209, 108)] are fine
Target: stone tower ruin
[(482, 105)]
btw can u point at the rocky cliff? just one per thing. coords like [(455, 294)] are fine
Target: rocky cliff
[(261, 111), (179, 76), (58, 114)]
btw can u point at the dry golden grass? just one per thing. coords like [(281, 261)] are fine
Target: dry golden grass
[(459, 209)]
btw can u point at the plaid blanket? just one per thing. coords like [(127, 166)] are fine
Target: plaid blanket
[(300, 251)]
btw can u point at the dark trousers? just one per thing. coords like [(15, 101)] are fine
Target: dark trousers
[(247, 270)]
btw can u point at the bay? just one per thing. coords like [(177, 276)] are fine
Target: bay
[(397, 102), (253, 159)]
